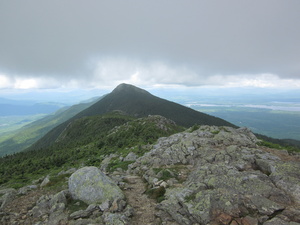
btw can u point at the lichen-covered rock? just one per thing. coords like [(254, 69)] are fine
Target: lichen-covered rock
[(105, 162), (115, 218), (130, 157), (286, 176), (45, 181), (222, 176), (90, 185), (50, 204), (24, 190), (7, 195)]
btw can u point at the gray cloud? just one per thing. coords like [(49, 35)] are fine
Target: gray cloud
[(63, 39)]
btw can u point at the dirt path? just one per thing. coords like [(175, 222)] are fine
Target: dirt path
[(144, 207)]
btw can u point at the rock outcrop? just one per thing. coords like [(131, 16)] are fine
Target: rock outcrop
[(7, 195), (211, 175), (218, 175), (90, 185)]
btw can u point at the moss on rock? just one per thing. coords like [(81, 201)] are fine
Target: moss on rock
[(91, 186)]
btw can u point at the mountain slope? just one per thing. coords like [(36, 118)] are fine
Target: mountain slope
[(87, 140), (139, 103), (32, 132)]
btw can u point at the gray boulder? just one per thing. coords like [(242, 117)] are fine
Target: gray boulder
[(115, 218), (45, 181), (91, 186), (222, 177), (7, 196), (130, 157), (26, 189)]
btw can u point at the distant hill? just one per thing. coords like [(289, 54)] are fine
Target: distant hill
[(140, 103), (136, 102), (27, 135), (10, 107), (38, 108)]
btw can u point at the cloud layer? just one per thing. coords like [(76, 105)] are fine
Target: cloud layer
[(97, 43)]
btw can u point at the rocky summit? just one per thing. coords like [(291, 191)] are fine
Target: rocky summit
[(220, 176), (205, 175)]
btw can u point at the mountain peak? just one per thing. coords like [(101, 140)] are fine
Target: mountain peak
[(137, 102), (128, 88)]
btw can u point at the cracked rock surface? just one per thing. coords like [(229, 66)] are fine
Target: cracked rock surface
[(228, 178)]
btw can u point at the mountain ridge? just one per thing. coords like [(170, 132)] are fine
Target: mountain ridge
[(210, 174), (34, 131), (136, 102)]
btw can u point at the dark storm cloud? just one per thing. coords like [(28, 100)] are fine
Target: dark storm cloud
[(60, 39)]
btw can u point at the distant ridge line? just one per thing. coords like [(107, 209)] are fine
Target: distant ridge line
[(136, 102)]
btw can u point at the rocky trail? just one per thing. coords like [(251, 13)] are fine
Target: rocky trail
[(144, 207), (209, 176)]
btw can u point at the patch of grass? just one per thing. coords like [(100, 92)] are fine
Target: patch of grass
[(278, 146), (156, 193), (114, 164), (215, 132), (75, 205), (58, 181), (16, 185), (157, 170), (164, 174), (193, 128), (269, 144), (190, 197), (160, 199)]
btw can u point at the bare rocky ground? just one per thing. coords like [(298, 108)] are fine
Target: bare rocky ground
[(17, 211), (144, 207), (208, 176)]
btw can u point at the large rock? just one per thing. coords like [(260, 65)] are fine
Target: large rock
[(90, 185), (222, 177), (45, 181), (7, 195)]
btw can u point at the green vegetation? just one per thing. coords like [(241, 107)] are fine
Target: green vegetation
[(194, 127), (165, 174), (58, 181), (156, 193), (138, 103), (190, 197), (215, 132), (86, 141), (24, 137), (281, 145), (175, 171), (113, 165), (272, 123), (9, 124), (98, 131), (75, 205)]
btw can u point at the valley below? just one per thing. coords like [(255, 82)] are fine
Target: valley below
[(274, 121)]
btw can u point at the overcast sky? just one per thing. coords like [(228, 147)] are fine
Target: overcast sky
[(98, 44)]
